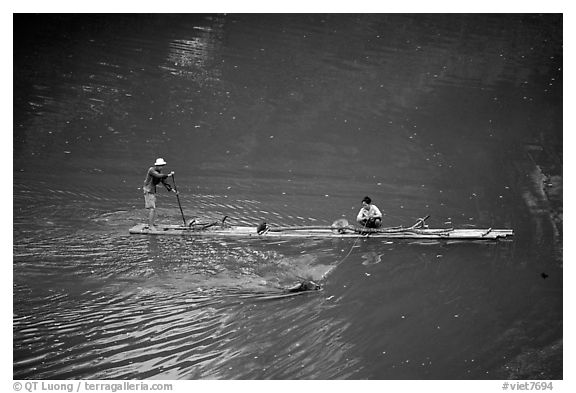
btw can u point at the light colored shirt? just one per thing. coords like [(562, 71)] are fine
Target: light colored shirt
[(372, 212), (153, 177)]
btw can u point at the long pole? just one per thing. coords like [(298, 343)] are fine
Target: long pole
[(178, 197)]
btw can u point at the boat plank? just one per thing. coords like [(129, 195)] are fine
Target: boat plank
[(325, 232)]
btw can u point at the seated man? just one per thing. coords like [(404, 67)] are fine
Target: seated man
[(369, 215)]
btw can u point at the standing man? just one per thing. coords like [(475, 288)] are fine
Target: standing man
[(369, 215), (153, 177)]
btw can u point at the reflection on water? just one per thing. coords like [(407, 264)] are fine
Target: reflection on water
[(290, 119)]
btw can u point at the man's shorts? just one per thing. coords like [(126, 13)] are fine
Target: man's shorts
[(149, 200), (371, 223)]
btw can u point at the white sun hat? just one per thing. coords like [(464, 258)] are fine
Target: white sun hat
[(159, 162)]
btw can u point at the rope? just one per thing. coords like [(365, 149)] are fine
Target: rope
[(355, 241), (349, 252)]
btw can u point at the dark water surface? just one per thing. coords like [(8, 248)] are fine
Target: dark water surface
[(291, 119)]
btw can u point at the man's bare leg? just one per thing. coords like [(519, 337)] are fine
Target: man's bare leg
[(152, 218)]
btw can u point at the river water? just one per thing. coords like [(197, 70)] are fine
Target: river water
[(291, 119)]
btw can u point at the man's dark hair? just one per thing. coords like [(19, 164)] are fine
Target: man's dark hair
[(367, 200)]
